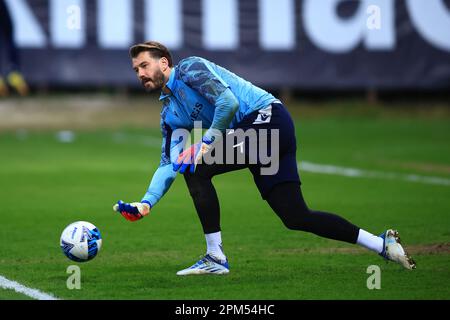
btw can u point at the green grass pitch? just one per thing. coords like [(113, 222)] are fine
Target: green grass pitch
[(46, 184)]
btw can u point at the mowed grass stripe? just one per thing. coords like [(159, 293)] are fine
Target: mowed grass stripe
[(139, 260)]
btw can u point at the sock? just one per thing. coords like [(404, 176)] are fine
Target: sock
[(370, 241), (214, 245)]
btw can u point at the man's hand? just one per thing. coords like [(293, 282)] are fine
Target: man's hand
[(191, 156), (132, 211)]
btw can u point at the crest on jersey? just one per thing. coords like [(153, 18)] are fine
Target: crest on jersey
[(182, 94)]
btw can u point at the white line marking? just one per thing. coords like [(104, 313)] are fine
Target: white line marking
[(309, 166), (33, 293), (360, 173)]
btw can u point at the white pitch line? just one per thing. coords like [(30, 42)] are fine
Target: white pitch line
[(309, 166), (360, 173), (33, 293)]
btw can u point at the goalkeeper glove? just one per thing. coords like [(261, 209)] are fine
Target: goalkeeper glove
[(132, 211), (191, 156)]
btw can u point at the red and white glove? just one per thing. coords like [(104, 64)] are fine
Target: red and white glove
[(132, 211)]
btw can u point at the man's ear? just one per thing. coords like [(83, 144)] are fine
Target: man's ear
[(164, 63)]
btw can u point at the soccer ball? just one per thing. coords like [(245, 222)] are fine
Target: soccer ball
[(81, 241)]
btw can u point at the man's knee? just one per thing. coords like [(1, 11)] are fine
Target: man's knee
[(298, 220), (288, 203)]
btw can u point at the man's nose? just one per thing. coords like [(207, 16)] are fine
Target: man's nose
[(141, 74)]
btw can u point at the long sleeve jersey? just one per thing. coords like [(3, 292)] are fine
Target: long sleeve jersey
[(199, 91)]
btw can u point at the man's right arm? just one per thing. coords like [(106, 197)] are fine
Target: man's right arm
[(172, 145)]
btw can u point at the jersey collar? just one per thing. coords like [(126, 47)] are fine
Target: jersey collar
[(169, 85)]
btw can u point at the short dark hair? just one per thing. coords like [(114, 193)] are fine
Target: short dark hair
[(156, 50)]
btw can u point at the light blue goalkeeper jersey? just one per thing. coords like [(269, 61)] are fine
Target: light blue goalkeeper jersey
[(200, 91)]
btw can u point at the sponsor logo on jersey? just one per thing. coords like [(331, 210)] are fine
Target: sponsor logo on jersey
[(264, 115)]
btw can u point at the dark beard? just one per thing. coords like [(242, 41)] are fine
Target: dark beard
[(158, 81)]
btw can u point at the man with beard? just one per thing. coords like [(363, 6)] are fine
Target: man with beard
[(199, 90)]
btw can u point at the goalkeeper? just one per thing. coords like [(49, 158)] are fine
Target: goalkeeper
[(199, 90)]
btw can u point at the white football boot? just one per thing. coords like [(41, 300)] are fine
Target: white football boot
[(206, 265), (393, 250)]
